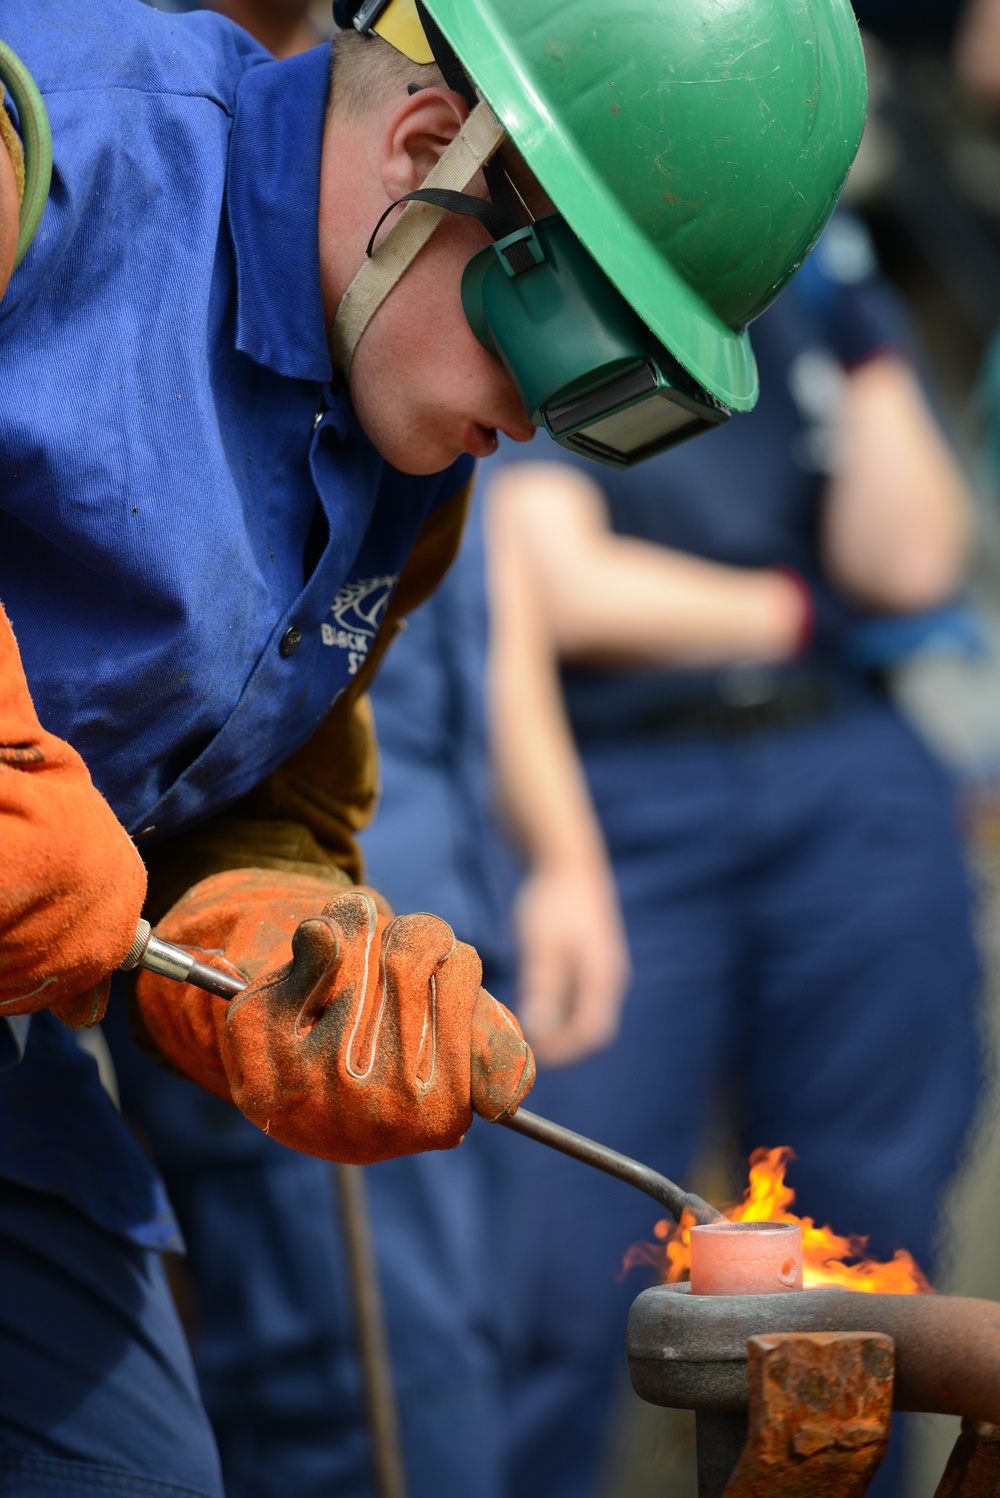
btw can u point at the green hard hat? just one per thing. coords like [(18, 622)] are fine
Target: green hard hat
[(696, 147)]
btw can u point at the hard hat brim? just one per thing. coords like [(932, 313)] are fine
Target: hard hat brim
[(717, 356), (696, 149)]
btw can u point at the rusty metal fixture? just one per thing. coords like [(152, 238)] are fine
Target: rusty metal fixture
[(690, 1351), (973, 1469), (819, 1420)]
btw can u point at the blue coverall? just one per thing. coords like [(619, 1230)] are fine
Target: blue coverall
[(795, 899), (274, 1342), (189, 516)]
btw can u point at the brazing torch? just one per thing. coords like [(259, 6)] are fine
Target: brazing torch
[(171, 961)]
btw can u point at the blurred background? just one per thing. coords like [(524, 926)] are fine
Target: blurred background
[(927, 183)]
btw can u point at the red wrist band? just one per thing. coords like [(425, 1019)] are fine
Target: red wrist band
[(807, 627)]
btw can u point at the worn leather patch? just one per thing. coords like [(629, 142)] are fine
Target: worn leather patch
[(21, 754)]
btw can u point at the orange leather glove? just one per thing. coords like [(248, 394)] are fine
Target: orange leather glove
[(361, 1037), (71, 881)]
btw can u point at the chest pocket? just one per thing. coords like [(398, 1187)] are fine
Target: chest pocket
[(327, 791)]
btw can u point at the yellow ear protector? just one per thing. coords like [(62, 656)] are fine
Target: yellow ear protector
[(398, 24)]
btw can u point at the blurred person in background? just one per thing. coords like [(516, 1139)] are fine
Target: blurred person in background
[(977, 49), (284, 27), (786, 852), (434, 1217)]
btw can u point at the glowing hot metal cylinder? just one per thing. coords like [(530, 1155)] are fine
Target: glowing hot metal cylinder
[(746, 1258)]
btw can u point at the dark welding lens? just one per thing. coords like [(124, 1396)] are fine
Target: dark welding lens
[(585, 366), (631, 418), (628, 387), (639, 432)]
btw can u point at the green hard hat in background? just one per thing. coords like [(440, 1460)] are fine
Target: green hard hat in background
[(696, 147)]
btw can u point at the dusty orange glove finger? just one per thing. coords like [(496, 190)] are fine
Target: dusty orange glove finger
[(503, 1067), (71, 882), (361, 1047)]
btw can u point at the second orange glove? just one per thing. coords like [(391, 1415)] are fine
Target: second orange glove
[(361, 1036), (71, 881)]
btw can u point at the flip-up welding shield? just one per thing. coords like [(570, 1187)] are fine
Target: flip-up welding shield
[(585, 365)]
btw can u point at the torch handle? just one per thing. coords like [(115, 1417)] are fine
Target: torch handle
[(171, 961), (589, 1152)]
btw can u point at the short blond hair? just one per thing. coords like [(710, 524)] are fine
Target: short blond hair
[(365, 69)]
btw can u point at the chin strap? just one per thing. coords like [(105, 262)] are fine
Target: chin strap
[(469, 152)]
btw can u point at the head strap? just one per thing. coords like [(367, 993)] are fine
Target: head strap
[(468, 153), (457, 80)]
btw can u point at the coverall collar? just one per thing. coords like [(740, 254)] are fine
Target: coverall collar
[(273, 203)]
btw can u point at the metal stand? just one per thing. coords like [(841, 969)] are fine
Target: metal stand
[(373, 1342), (973, 1470), (721, 1439)]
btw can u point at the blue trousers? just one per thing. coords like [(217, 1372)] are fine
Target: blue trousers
[(273, 1334), (800, 925), (97, 1392)]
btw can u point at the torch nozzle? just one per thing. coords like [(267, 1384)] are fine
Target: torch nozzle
[(174, 962), (589, 1152)]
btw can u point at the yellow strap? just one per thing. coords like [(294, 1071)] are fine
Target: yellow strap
[(472, 147), (399, 25)]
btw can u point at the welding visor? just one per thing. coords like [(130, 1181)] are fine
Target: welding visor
[(585, 365)]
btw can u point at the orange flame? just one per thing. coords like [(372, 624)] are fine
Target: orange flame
[(824, 1252)]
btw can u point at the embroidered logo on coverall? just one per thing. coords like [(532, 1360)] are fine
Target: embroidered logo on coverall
[(357, 611)]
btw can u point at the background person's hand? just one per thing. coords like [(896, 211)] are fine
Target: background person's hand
[(574, 964), (977, 49)]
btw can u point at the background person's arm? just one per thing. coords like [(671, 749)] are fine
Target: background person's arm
[(977, 49), (897, 515), (895, 536), (573, 958), (618, 600)]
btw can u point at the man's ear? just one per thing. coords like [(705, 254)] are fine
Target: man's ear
[(416, 138)]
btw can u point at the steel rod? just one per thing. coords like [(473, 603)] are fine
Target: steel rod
[(374, 1353), (589, 1152), (720, 1439)]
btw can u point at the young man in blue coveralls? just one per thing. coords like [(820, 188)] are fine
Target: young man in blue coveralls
[(787, 855), (211, 527), (274, 1345), (275, 1348), (188, 487)]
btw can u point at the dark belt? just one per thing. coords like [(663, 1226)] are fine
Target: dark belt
[(744, 705)]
